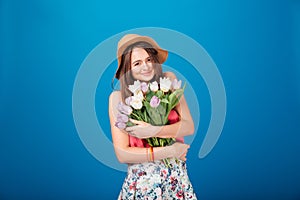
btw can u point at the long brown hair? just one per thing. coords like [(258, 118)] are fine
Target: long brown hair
[(125, 74)]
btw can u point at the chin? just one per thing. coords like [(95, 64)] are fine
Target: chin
[(147, 78)]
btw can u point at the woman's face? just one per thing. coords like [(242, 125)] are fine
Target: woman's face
[(142, 66)]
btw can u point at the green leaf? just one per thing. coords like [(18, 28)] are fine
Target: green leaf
[(161, 109), (145, 117), (164, 100), (155, 114), (149, 95), (159, 93), (174, 97)]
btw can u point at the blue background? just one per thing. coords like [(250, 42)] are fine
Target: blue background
[(255, 44)]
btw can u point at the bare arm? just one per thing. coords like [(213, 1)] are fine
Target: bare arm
[(181, 128), (127, 154)]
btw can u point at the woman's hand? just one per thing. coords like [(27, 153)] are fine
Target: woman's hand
[(142, 129), (180, 150)]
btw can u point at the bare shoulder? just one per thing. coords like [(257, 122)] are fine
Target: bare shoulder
[(170, 75), (115, 96), (114, 99)]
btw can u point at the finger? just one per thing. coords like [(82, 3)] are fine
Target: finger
[(136, 121), (187, 148), (182, 154), (183, 158), (132, 133), (129, 129)]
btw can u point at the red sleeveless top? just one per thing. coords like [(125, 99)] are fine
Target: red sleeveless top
[(136, 142)]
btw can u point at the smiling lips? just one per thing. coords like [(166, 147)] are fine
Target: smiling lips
[(147, 73)]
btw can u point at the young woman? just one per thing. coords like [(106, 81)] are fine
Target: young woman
[(140, 58)]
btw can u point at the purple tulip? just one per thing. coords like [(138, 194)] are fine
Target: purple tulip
[(154, 102), (127, 110), (120, 125), (144, 87), (122, 118)]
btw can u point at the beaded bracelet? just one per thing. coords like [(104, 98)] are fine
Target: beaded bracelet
[(147, 154), (151, 154)]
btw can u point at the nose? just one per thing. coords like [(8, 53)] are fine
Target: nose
[(145, 66)]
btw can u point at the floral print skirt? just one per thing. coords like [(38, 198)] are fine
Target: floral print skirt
[(154, 180)]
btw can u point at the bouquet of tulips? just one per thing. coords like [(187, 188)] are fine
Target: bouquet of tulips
[(151, 103)]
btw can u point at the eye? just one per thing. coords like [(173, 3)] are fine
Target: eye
[(136, 64), (149, 60)]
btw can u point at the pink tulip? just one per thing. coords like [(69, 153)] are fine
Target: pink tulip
[(120, 125), (122, 118), (144, 87), (127, 110), (154, 102)]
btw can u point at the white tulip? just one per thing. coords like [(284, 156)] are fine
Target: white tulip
[(136, 87), (165, 84), (136, 102), (154, 86), (176, 84), (139, 95)]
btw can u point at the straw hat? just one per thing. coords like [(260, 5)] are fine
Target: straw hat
[(130, 39)]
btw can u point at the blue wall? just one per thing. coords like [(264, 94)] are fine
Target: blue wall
[(255, 44)]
